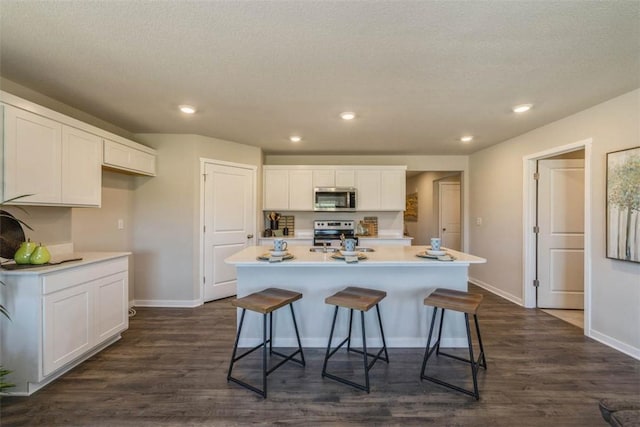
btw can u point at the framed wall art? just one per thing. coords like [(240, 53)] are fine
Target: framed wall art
[(411, 209), (623, 205)]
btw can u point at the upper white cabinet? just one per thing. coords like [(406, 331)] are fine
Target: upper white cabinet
[(58, 159), (300, 190), (287, 189), (55, 163), (276, 189), (81, 172), (334, 176), (139, 160), (380, 188)]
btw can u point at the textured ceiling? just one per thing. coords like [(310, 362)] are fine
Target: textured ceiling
[(418, 74)]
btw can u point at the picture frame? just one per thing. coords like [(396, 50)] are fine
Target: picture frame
[(411, 208), (623, 205)]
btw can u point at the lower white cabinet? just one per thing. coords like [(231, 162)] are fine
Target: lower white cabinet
[(60, 318)]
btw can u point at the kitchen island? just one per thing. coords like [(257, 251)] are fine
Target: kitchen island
[(405, 277)]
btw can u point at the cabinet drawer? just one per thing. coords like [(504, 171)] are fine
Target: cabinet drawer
[(70, 277)]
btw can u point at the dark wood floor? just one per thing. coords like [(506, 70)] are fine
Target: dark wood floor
[(170, 369)]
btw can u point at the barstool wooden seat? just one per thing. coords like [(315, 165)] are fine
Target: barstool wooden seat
[(467, 303), (265, 302), (363, 300)]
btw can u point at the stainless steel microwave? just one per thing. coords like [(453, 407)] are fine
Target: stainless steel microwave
[(334, 199)]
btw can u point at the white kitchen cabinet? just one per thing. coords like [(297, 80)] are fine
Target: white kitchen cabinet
[(276, 189), (393, 190), (81, 172), (138, 160), (57, 164), (381, 189), (60, 316), (345, 177), (324, 178), (32, 157), (300, 190)]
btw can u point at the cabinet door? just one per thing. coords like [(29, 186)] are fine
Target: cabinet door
[(81, 167), (300, 190), (123, 157), (324, 178), (276, 189), (68, 326), (368, 185), (111, 303), (392, 190), (32, 164), (345, 178)]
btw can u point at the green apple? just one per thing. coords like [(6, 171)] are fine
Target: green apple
[(23, 254), (40, 255)]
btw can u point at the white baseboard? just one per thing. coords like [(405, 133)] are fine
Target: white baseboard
[(371, 342), (167, 303), (509, 297), (614, 343)]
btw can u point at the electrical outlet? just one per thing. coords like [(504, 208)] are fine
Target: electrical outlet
[(478, 221), (121, 224)]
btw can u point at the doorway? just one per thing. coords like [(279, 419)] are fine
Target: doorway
[(557, 242), (449, 214), (228, 223)]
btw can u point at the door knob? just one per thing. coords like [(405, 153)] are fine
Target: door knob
[(444, 229), (249, 236)]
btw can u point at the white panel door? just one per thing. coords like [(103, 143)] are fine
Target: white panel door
[(32, 150), (229, 218), (449, 214), (561, 234), (81, 167)]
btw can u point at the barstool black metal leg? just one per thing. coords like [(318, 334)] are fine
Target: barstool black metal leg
[(295, 326), (349, 335), (428, 351), (483, 360), (440, 331), (326, 357), (235, 346), (474, 365), (264, 355), (364, 353), (271, 333), (384, 343)]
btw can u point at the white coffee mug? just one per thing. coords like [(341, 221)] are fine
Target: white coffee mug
[(279, 245), (350, 245), (435, 243)]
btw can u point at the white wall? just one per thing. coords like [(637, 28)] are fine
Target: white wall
[(496, 196), (166, 211)]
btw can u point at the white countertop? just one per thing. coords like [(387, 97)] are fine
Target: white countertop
[(87, 258), (383, 256)]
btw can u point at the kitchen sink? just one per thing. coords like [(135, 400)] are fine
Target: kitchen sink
[(321, 249)]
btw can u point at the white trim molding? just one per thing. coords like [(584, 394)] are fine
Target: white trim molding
[(499, 292), (167, 303)]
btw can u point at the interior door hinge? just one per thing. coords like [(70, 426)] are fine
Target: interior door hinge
[(536, 283), (204, 176), (536, 229), (204, 228), (204, 280), (536, 176)]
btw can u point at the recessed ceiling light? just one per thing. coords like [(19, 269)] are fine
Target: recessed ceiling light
[(187, 109), (522, 108), (295, 138), (466, 138), (348, 115)]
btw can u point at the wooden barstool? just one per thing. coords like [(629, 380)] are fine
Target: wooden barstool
[(363, 300), (467, 303), (265, 302)]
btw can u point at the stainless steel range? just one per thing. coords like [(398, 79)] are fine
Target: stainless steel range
[(329, 232)]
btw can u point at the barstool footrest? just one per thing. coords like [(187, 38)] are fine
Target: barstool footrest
[(345, 381), (285, 360), (449, 385), (375, 356), (462, 359)]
